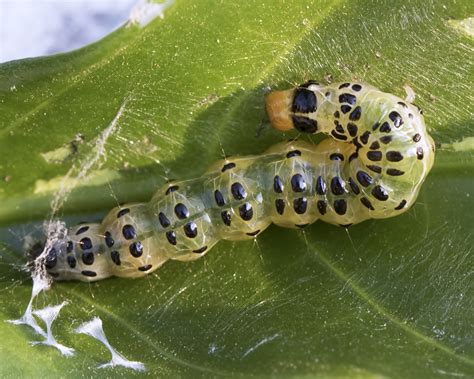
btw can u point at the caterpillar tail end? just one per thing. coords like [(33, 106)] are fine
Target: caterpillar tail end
[(33, 252), (40, 262), (278, 105)]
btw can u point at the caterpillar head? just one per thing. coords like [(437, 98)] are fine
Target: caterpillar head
[(288, 109)]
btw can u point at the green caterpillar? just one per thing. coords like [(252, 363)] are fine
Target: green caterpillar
[(372, 166)]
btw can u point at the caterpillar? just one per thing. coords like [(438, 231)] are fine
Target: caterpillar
[(372, 166)]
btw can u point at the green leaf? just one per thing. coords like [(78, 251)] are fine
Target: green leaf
[(386, 298)]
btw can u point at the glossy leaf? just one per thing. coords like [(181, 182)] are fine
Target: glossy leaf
[(386, 298)]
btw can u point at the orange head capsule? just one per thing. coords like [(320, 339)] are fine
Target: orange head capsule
[(290, 109), (278, 106)]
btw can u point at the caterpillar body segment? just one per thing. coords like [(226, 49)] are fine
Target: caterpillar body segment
[(393, 151), (372, 166)]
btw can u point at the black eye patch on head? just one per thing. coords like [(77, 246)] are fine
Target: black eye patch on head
[(304, 101), (304, 124)]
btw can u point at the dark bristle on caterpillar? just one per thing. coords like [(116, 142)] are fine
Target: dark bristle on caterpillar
[(292, 184)]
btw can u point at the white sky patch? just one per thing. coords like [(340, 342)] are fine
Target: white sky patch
[(30, 28), (48, 315), (94, 329), (146, 11)]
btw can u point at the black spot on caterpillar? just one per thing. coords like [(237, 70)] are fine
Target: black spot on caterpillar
[(292, 184)]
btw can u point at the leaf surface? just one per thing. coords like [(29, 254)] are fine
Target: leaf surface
[(386, 298)]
